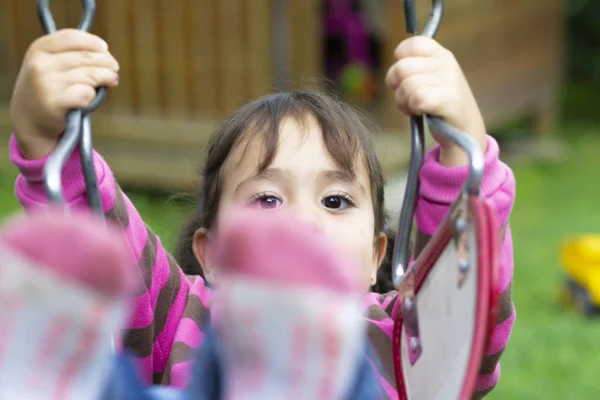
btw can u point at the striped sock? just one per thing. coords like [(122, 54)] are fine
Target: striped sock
[(287, 310), (63, 280)]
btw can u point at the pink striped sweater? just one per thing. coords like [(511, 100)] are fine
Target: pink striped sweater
[(170, 312)]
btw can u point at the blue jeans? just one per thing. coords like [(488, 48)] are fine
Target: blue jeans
[(208, 377)]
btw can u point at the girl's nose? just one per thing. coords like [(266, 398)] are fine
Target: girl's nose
[(309, 215)]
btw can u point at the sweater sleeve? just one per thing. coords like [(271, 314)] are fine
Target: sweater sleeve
[(439, 187), (159, 305)]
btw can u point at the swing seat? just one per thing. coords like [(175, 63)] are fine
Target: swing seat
[(448, 297), (438, 351)]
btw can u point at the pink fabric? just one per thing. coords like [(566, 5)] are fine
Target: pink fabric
[(439, 187), (85, 239), (486, 381), (302, 246), (500, 334)]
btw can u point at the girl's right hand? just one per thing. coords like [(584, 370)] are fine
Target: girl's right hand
[(60, 71)]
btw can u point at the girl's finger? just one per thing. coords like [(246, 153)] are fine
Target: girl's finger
[(70, 40), (419, 46), (407, 67), (91, 76), (74, 59), (402, 97), (77, 96), (402, 104), (416, 83), (428, 100)]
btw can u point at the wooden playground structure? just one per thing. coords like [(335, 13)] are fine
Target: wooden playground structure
[(187, 63)]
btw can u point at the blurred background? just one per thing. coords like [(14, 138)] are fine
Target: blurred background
[(533, 65)]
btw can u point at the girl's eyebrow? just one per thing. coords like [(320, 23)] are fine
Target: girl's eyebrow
[(343, 176), (281, 175), (267, 174)]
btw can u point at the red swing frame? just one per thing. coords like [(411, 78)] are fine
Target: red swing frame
[(487, 236), (429, 276)]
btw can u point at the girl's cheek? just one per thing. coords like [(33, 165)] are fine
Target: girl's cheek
[(360, 247)]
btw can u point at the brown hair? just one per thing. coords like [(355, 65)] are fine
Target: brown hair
[(347, 137)]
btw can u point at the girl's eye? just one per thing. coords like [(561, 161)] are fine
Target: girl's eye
[(270, 202), (336, 202), (266, 201)]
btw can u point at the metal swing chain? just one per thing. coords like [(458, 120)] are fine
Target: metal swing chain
[(401, 253), (78, 129)]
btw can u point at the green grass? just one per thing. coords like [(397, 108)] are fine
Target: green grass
[(552, 354), (165, 214)]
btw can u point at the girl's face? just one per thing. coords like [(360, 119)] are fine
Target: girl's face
[(305, 180)]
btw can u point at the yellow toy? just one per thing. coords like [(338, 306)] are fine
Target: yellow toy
[(581, 261)]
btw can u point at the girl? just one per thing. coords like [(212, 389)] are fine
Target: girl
[(302, 151)]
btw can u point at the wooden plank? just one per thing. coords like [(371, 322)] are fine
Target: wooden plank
[(72, 10), (102, 22), (21, 27), (203, 54), (485, 16), (153, 129), (465, 26), (232, 63), (133, 160), (160, 47), (395, 29), (298, 38), (520, 95), (513, 61), (136, 164), (175, 57), (258, 49), (280, 45), (395, 33), (188, 40), (491, 74), (101, 27), (219, 76), (491, 44), (479, 39), (245, 54), (147, 54), (27, 27), (314, 55), (493, 52), (6, 51), (306, 42), (120, 36)]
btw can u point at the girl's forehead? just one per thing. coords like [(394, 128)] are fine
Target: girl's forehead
[(300, 148)]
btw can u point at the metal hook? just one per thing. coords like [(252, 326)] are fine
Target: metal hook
[(78, 129), (401, 254), (433, 23)]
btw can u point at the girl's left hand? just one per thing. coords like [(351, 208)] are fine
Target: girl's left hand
[(426, 79)]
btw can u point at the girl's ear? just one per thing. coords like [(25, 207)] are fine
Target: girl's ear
[(379, 251), (373, 280), (200, 248)]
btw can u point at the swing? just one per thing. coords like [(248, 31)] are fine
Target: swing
[(448, 295), (79, 125), (78, 130)]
